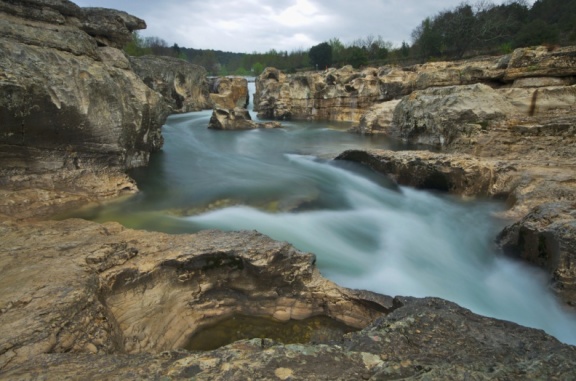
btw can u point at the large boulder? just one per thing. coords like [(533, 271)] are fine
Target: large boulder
[(229, 92), (183, 85), (439, 115), (69, 100)]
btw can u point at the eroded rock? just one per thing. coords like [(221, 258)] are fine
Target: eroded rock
[(437, 116), (414, 341), (182, 84), (69, 101), (92, 288)]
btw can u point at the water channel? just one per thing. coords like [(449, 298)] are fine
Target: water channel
[(366, 232)]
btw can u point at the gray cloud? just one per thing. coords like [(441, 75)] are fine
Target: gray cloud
[(261, 25)]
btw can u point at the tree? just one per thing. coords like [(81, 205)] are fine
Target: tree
[(356, 56), (257, 68), (337, 50), (136, 46), (427, 40), (321, 55)]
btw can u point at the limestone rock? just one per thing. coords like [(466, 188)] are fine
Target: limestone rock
[(335, 94), (438, 116), (540, 100), (541, 62), (110, 27), (546, 237), (378, 118), (236, 119), (68, 98), (229, 92), (183, 85), (92, 288), (414, 341)]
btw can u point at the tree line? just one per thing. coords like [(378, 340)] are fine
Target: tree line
[(468, 29)]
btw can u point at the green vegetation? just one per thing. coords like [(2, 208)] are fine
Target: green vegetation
[(469, 29)]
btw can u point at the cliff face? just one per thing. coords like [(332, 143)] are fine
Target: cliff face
[(341, 95), (183, 85), (69, 100), (349, 95)]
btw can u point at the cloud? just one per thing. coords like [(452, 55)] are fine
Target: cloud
[(283, 25)]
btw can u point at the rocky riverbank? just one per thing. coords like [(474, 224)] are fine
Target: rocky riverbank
[(97, 301), (499, 127)]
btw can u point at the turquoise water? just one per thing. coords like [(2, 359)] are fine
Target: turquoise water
[(366, 232)]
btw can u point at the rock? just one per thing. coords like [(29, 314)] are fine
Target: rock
[(546, 237), (110, 27), (457, 174), (438, 116), (541, 62), (92, 288), (335, 94), (413, 339), (183, 85), (541, 100), (236, 119), (378, 119), (229, 92), (68, 103), (356, 95), (230, 97)]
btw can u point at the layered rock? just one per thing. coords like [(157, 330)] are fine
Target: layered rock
[(107, 302), (335, 94), (104, 289), (69, 101), (182, 84), (347, 95), (437, 116)]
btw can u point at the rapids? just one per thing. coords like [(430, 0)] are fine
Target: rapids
[(366, 232)]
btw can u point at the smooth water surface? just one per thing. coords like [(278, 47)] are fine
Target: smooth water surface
[(365, 232)]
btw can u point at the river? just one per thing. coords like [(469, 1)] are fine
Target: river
[(366, 232)]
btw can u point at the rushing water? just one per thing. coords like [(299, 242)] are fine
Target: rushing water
[(365, 232)]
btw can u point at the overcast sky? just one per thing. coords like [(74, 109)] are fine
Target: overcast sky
[(285, 25)]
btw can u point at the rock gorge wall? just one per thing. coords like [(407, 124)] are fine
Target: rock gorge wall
[(73, 114), (183, 85), (81, 300), (350, 95)]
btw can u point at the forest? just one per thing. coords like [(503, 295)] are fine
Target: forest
[(469, 29)]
